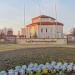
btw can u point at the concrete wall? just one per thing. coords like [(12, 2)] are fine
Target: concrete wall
[(42, 41)]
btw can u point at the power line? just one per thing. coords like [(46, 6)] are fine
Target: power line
[(24, 12), (56, 10), (39, 10), (55, 4)]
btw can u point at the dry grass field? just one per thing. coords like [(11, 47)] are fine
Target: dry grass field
[(13, 55)]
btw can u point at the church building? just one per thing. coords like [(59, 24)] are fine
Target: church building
[(43, 27)]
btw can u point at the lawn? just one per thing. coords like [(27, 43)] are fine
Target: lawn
[(13, 55)]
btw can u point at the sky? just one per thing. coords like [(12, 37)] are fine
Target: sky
[(12, 12)]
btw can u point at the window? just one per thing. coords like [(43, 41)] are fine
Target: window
[(42, 30), (46, 29)]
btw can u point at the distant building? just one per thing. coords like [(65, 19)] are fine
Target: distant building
[(7, 36), (71, 38), (10, 39), (43, 27), (6, 31), (10, 32)]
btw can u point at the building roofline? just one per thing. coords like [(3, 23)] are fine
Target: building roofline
[(43, 16), (45, 23)]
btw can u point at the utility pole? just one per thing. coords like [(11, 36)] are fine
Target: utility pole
[(24, 12), (39, 11), (24, 20), (56, 10), (56, 18)]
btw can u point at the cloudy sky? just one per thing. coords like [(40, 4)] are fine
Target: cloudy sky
[(12, 12)]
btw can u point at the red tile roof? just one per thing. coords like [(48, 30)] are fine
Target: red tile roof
[(46, 23), (44, 16)]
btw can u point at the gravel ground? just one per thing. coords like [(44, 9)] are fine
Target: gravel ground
[(10, 59)]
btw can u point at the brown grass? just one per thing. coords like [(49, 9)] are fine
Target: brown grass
[(21, 55)]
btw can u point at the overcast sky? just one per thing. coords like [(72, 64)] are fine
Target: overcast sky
[(12, 12)]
